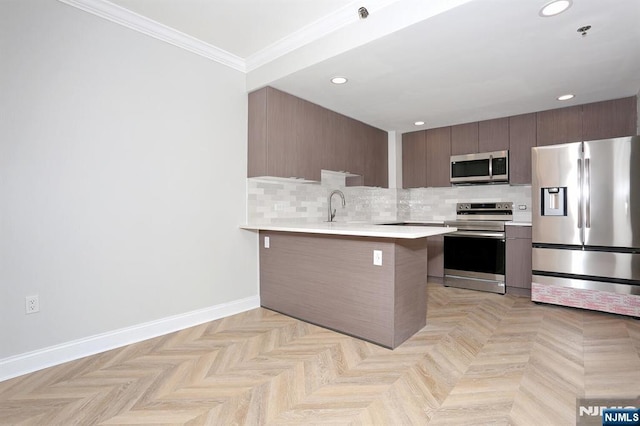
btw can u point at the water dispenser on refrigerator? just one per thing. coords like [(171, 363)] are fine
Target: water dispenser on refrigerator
[(554, 201)]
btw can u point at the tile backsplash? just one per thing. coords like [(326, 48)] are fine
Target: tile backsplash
[(272, 200), (440, 203)]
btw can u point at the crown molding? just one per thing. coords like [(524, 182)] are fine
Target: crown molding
[(305, 35), (326, 25), (312, 32), (136, 22)]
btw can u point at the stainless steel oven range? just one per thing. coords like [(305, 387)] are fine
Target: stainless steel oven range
[(474, 256)]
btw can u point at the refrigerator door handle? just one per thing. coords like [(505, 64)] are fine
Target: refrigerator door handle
[(580, 194), (587, 192)]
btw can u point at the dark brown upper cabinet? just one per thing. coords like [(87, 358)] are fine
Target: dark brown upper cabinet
[(464, 138), (376, 166), (414, 159), (518, 134), (276, 121), (609, 119), (522, 137), (425, 158), (257, 134), (560, 125), (438, 156), (493, 135), (291, 137)]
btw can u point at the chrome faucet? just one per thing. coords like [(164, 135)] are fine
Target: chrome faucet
[(332, 212)]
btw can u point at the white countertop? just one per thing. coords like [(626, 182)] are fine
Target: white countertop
[(355, 229), (425, 222)]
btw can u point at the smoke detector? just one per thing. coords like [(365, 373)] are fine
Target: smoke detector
[(583, 30)]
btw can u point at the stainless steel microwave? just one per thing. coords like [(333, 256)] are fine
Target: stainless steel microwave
[(484, 167)]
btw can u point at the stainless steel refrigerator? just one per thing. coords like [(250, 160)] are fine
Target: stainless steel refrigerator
[(586, 225)]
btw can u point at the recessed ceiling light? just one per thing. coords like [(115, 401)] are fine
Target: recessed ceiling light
[(419, 123), (554, 7), (339, 80), (565, 97)]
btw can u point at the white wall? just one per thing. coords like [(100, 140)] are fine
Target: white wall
[(122, 178)]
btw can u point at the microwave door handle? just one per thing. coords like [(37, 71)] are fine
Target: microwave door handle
[(587, 192), (490, 166)]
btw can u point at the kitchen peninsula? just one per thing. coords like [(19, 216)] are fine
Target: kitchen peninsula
[(364, 280)]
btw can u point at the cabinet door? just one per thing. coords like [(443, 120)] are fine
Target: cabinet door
[(493, 135), (284, 150), (522, 137), (334, 156), (356, 146), (414, 160), (557, 126), (518, 257), (610, 119), (464, 138), (257, 133), (376, 170), (310, 134), (438, 156), (435, 255)]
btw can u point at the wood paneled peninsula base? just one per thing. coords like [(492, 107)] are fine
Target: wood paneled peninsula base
[(331, 281)]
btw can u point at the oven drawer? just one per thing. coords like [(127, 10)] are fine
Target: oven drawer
[(487, 282), (481, 276)]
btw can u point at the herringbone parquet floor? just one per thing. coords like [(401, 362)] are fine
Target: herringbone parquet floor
[(481, 359)]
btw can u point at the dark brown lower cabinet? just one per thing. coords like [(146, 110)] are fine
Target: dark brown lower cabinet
[(330, 280), (518, 260), (435, 250)]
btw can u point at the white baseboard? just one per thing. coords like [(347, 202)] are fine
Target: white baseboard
[(37, 360)]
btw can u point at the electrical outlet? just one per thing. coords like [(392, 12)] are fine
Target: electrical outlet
[(266, 242), (522, 206), (32, 304), (377, 257)]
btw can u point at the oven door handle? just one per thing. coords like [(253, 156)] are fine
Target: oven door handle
[(477, 234)]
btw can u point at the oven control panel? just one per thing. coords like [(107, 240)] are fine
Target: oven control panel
[(484, 207), (500, 211)]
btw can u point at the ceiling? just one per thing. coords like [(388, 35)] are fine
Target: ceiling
[(442, 62), (241, 27)]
